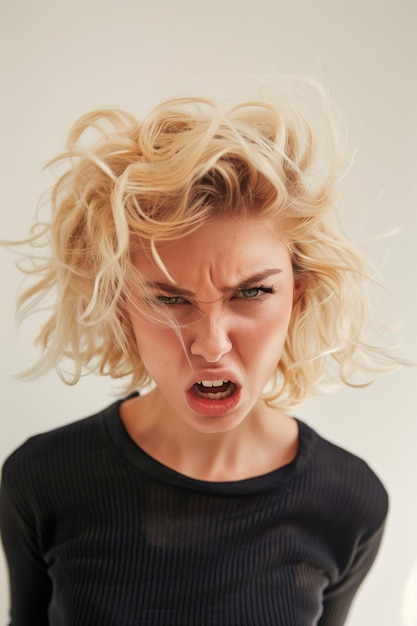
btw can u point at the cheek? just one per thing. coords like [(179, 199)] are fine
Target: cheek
[(276, 318), (269, 336), (158, 345), (264, 340)]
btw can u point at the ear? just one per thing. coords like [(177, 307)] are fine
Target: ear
[(299, 288)]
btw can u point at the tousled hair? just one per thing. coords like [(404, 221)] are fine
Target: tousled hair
[(130, 182)]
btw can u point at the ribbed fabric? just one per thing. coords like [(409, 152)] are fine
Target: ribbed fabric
[(96, 532)]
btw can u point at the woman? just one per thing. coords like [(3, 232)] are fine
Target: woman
[(192, 253)]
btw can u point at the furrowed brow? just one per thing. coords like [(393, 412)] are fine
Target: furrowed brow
[(251, 280), (258, 277), (169, 288)]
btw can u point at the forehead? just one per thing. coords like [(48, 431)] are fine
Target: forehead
[(221, 249)]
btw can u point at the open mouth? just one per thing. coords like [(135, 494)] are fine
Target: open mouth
[(214, 398), (214, 389)]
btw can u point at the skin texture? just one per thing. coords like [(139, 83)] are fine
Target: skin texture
[(232, 297)]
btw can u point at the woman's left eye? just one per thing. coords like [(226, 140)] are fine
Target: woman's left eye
[(252, 293)]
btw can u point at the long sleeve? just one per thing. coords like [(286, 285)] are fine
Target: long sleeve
[(338, 598), (30, 586)]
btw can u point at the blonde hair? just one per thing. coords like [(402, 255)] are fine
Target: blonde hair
[(160, 178)]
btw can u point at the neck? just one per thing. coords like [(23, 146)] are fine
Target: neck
[(264, 441)]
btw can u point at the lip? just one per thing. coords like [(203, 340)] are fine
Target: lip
[(213, 408), (213, 374)]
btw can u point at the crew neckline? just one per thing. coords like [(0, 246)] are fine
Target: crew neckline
[(160, 472)]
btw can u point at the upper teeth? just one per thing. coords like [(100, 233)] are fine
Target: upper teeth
[(212, 383)]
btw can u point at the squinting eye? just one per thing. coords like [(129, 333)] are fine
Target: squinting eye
[(170, 300), (251, 293)]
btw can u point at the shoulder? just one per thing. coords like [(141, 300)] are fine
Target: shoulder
[(345, 480), (44, 454)]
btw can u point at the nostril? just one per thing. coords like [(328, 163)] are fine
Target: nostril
[(211, 349)]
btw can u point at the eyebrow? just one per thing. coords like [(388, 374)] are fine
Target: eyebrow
[(246, 282)]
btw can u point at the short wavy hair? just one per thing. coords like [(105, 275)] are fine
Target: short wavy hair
[(131, 181)]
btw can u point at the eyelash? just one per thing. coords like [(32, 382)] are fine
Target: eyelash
[(165, 300)]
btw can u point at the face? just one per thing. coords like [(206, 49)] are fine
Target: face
[(232, 300)]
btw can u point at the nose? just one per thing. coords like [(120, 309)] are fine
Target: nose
[(210, 338)]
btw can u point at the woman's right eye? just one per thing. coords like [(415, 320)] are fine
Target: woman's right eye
[(170, 300)]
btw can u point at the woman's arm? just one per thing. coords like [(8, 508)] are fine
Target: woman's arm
[(30, 586), (338, 597)]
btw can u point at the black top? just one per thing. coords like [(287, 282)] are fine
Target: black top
[(96, 532)]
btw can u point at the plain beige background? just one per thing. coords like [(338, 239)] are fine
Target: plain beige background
[(61, 58)]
